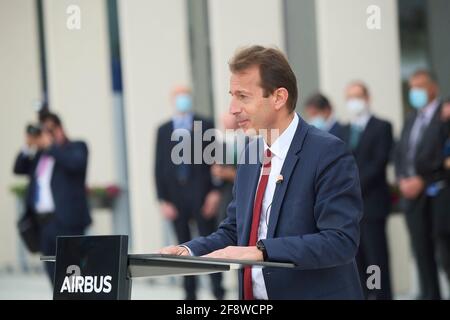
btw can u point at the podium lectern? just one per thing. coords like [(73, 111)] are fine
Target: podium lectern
[(99, 267)]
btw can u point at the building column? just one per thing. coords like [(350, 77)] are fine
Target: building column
[(20, 86), (79, 85), (438, 12), (155, 55), (301, 46), (233, 24), (349, 50)]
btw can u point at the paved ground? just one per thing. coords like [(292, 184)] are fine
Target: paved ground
[(35, 286)]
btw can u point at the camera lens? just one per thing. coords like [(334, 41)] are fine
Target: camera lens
[(33, 130)]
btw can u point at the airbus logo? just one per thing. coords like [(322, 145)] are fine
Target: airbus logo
[(74, 282)]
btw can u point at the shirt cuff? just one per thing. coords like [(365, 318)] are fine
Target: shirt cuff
[(188, 249)]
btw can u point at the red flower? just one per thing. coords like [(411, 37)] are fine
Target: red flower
[(112, 191)]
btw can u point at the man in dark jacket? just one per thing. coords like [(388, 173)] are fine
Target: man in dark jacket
[(185, 190), (320, 114), (370, 140), (423, 180), (56, 194)]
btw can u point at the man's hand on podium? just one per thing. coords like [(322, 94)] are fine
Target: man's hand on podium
[(240, 253), (175, 250)]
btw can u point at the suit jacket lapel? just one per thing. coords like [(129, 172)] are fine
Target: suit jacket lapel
[(408, 130), (363, 134), (290, 162), (280, 191), (423, 139)]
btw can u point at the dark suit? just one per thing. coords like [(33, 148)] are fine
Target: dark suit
[(314, 220), (337, 130), (68, 187), (427, 217), (372, 154), (187, 194)]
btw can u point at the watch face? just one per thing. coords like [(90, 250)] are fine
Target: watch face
[(260, 245)]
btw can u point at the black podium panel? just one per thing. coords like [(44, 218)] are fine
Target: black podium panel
[(93, 267)]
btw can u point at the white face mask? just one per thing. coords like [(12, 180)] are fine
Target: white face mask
[(356, 106)]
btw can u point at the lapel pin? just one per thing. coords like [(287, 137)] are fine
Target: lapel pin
[(279, 179)]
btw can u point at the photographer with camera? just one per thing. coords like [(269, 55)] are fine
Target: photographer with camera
[(56, 198)]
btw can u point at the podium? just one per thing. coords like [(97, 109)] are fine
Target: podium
[(99, 267)]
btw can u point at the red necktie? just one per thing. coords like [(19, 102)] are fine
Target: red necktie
[(248, 287)]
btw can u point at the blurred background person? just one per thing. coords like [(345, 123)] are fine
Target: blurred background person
[(444, 235), (56, 194), (370, 140), (186, 191), (420, 172), (226, 171), (445, 116), (319, 113)]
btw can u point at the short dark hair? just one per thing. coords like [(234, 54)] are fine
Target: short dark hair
[(425, 72), (50, 116), (274, 70), (319, 102)]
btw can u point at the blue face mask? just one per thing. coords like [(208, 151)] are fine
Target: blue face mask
[(318, 122), (183, 102), (418, 98)]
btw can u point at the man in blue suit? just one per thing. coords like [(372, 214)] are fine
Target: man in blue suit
[(56, 195), (302, 205)]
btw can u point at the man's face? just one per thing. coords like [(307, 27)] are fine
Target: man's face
[(49, 127), (252, 110), (55, 132), (422, 81)]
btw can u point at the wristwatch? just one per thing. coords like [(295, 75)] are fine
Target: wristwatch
[(260, 246)]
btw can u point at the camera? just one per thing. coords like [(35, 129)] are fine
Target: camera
[(33, 130)]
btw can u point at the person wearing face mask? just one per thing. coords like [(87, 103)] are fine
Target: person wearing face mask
[(56, 194), (320, 114), (370, 140), (421, 175), (186, 191)]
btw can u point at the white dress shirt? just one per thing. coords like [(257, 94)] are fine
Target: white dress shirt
[(44, 172), (279, 150)]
